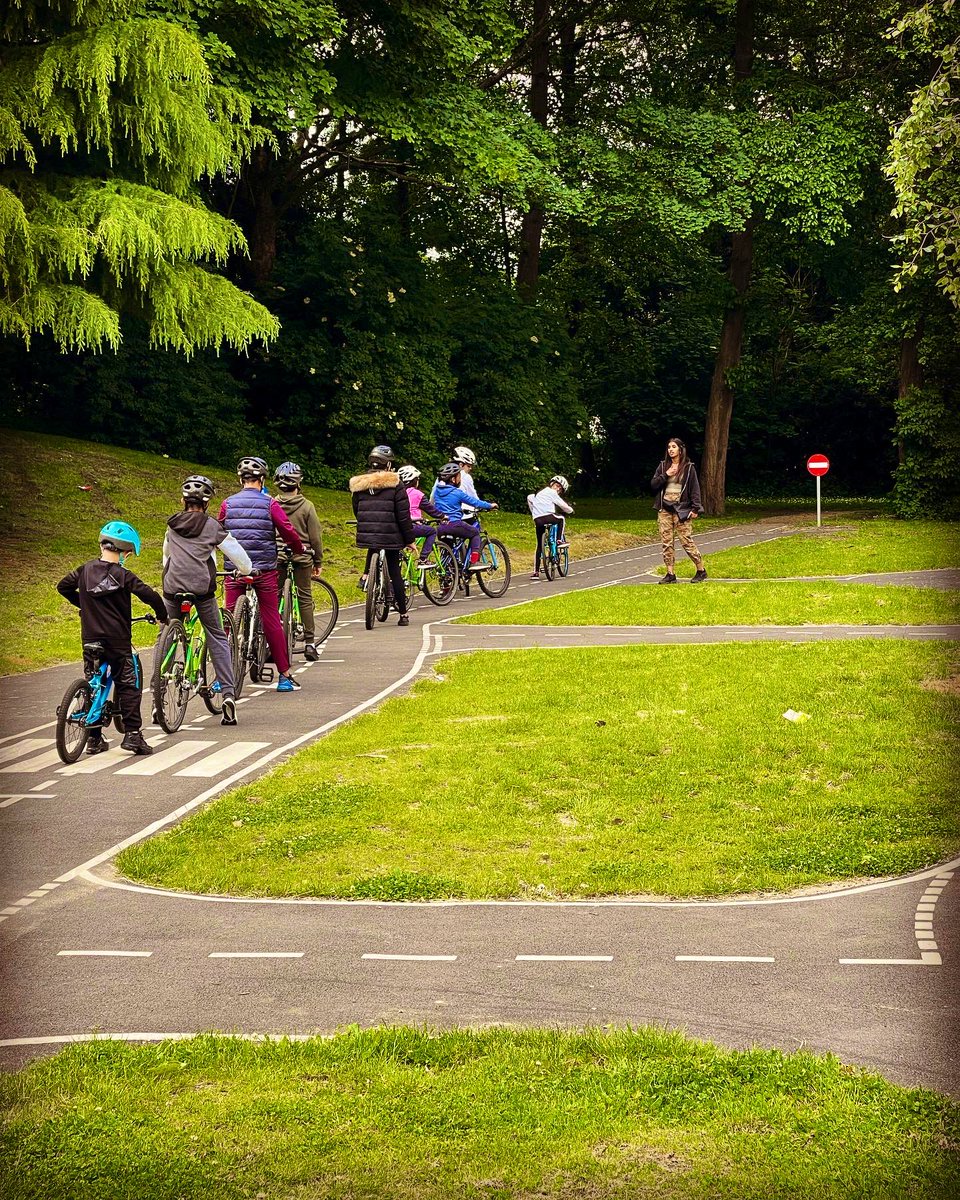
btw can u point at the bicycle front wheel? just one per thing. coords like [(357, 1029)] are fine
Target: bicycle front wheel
[(370, 599), (326, 610), (563, 566), (382, 594), (440, 585), (72, 732), (286, 614), (549, 562), (494, 557), (170, 693)]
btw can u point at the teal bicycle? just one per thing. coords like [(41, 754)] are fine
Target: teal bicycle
[(556, 558), (183, 667), (89, 704)]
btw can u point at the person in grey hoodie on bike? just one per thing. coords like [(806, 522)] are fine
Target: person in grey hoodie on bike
[(306, 566), (190, 569)]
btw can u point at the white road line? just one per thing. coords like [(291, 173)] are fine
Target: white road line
[(104, 954), (927, 960), (205, 717), (256, 954), (329, 660), (102, 762), (757, 958), (8, 798), (41, 787), (40, 763), (564, 958), (12, 737), (172, 754), (243, 699), (220, 760), (411, 957), (22, 748), (340, 637), (9, 911)]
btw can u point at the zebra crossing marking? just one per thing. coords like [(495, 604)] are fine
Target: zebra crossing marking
[(168, 757), (217, 762), (19, 749)]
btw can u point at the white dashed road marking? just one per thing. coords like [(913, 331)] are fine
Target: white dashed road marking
[(411, 957), (20, 749), (104, 953), (220, 760), (167, 757), (257, 954), (564, 958), (754, 958)]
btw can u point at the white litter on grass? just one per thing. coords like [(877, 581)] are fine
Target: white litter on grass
[(796, 717)]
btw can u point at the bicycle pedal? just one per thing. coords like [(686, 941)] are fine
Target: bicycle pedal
[(267, 675)]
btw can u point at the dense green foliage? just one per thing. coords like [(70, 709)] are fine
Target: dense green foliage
[(381, 160)]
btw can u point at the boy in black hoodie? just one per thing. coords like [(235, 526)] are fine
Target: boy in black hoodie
[(101, 589), (190, 568)]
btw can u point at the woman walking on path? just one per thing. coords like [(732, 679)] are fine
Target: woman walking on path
[(676, 492)]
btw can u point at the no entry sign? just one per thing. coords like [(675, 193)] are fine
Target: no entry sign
[(818, 464)]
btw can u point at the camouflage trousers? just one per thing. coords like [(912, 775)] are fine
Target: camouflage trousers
[(670, 527)]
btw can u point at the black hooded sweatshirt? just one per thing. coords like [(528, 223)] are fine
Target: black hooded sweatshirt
[(102, 591)]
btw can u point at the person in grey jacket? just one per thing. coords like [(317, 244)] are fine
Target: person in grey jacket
[(190, 569)]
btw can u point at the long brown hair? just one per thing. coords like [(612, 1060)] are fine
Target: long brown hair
[(683, 460)]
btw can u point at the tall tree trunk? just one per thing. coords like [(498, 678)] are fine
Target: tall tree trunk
[(531, 228), (258, 177), (716, 437), (911, 375)]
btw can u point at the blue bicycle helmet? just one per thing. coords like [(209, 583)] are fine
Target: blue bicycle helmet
[(120, 536), (288, 475)]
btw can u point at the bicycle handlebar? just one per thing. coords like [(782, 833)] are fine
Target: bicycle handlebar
[(149, 618)]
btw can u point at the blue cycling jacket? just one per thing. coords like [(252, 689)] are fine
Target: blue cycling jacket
[(450, 501)]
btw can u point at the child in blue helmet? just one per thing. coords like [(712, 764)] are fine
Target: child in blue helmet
[(101, 589)]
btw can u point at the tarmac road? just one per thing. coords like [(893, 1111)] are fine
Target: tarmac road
[(867, 972)]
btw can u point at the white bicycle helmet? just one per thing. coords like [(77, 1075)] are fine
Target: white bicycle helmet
[(465, 456), (562, 480), (408, 474)]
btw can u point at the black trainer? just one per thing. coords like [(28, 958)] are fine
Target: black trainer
[(668, 578), (96, 745), (404, 619), (136, 743), (699, 577), (310, 652)]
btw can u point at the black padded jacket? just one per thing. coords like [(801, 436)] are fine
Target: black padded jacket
[(382, 509), (689, 493)]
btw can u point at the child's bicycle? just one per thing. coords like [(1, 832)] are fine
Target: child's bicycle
[(88, 703), (326, 607), (492, 572), (183, 668), (438, 579), (378, 597), (556, 558)]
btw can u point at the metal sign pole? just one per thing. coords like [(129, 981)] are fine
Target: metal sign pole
[(818, 501)]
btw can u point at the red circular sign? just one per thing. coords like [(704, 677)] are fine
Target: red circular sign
[(818, 464)]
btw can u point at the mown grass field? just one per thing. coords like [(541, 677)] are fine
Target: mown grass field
[(491, 1115), (591, 772), (732, 604)]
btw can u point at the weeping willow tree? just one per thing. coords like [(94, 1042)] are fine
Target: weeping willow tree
[(109, 120)]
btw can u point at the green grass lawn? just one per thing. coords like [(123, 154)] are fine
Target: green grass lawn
[(841, 547), (733, 604), (498, 1115), (559, 773)]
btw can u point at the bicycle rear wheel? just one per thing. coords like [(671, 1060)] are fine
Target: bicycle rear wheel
[(563, 566), (72, 733), (440, 585), (241, 634), (286, 616), (170, 693), (370, 599), (549, 562), (496, 578), (382, 594), (326, 610)]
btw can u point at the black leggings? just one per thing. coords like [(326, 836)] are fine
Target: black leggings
[(541, 524), (395, 573)]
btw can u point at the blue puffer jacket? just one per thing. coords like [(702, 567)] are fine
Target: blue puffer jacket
[(450, 499), (248, 519)]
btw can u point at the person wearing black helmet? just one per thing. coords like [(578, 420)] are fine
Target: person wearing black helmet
[(306, 566), (382, 510), (255, 520), (190, 547)]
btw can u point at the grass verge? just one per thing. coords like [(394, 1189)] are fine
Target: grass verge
[(556, 773), (841, 548), (495, 1114), (719, 603)]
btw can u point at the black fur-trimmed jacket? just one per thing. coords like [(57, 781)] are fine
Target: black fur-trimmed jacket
[(689, 491), (382, 509)]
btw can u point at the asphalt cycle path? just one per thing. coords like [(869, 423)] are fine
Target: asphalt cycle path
[(868, 972)]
